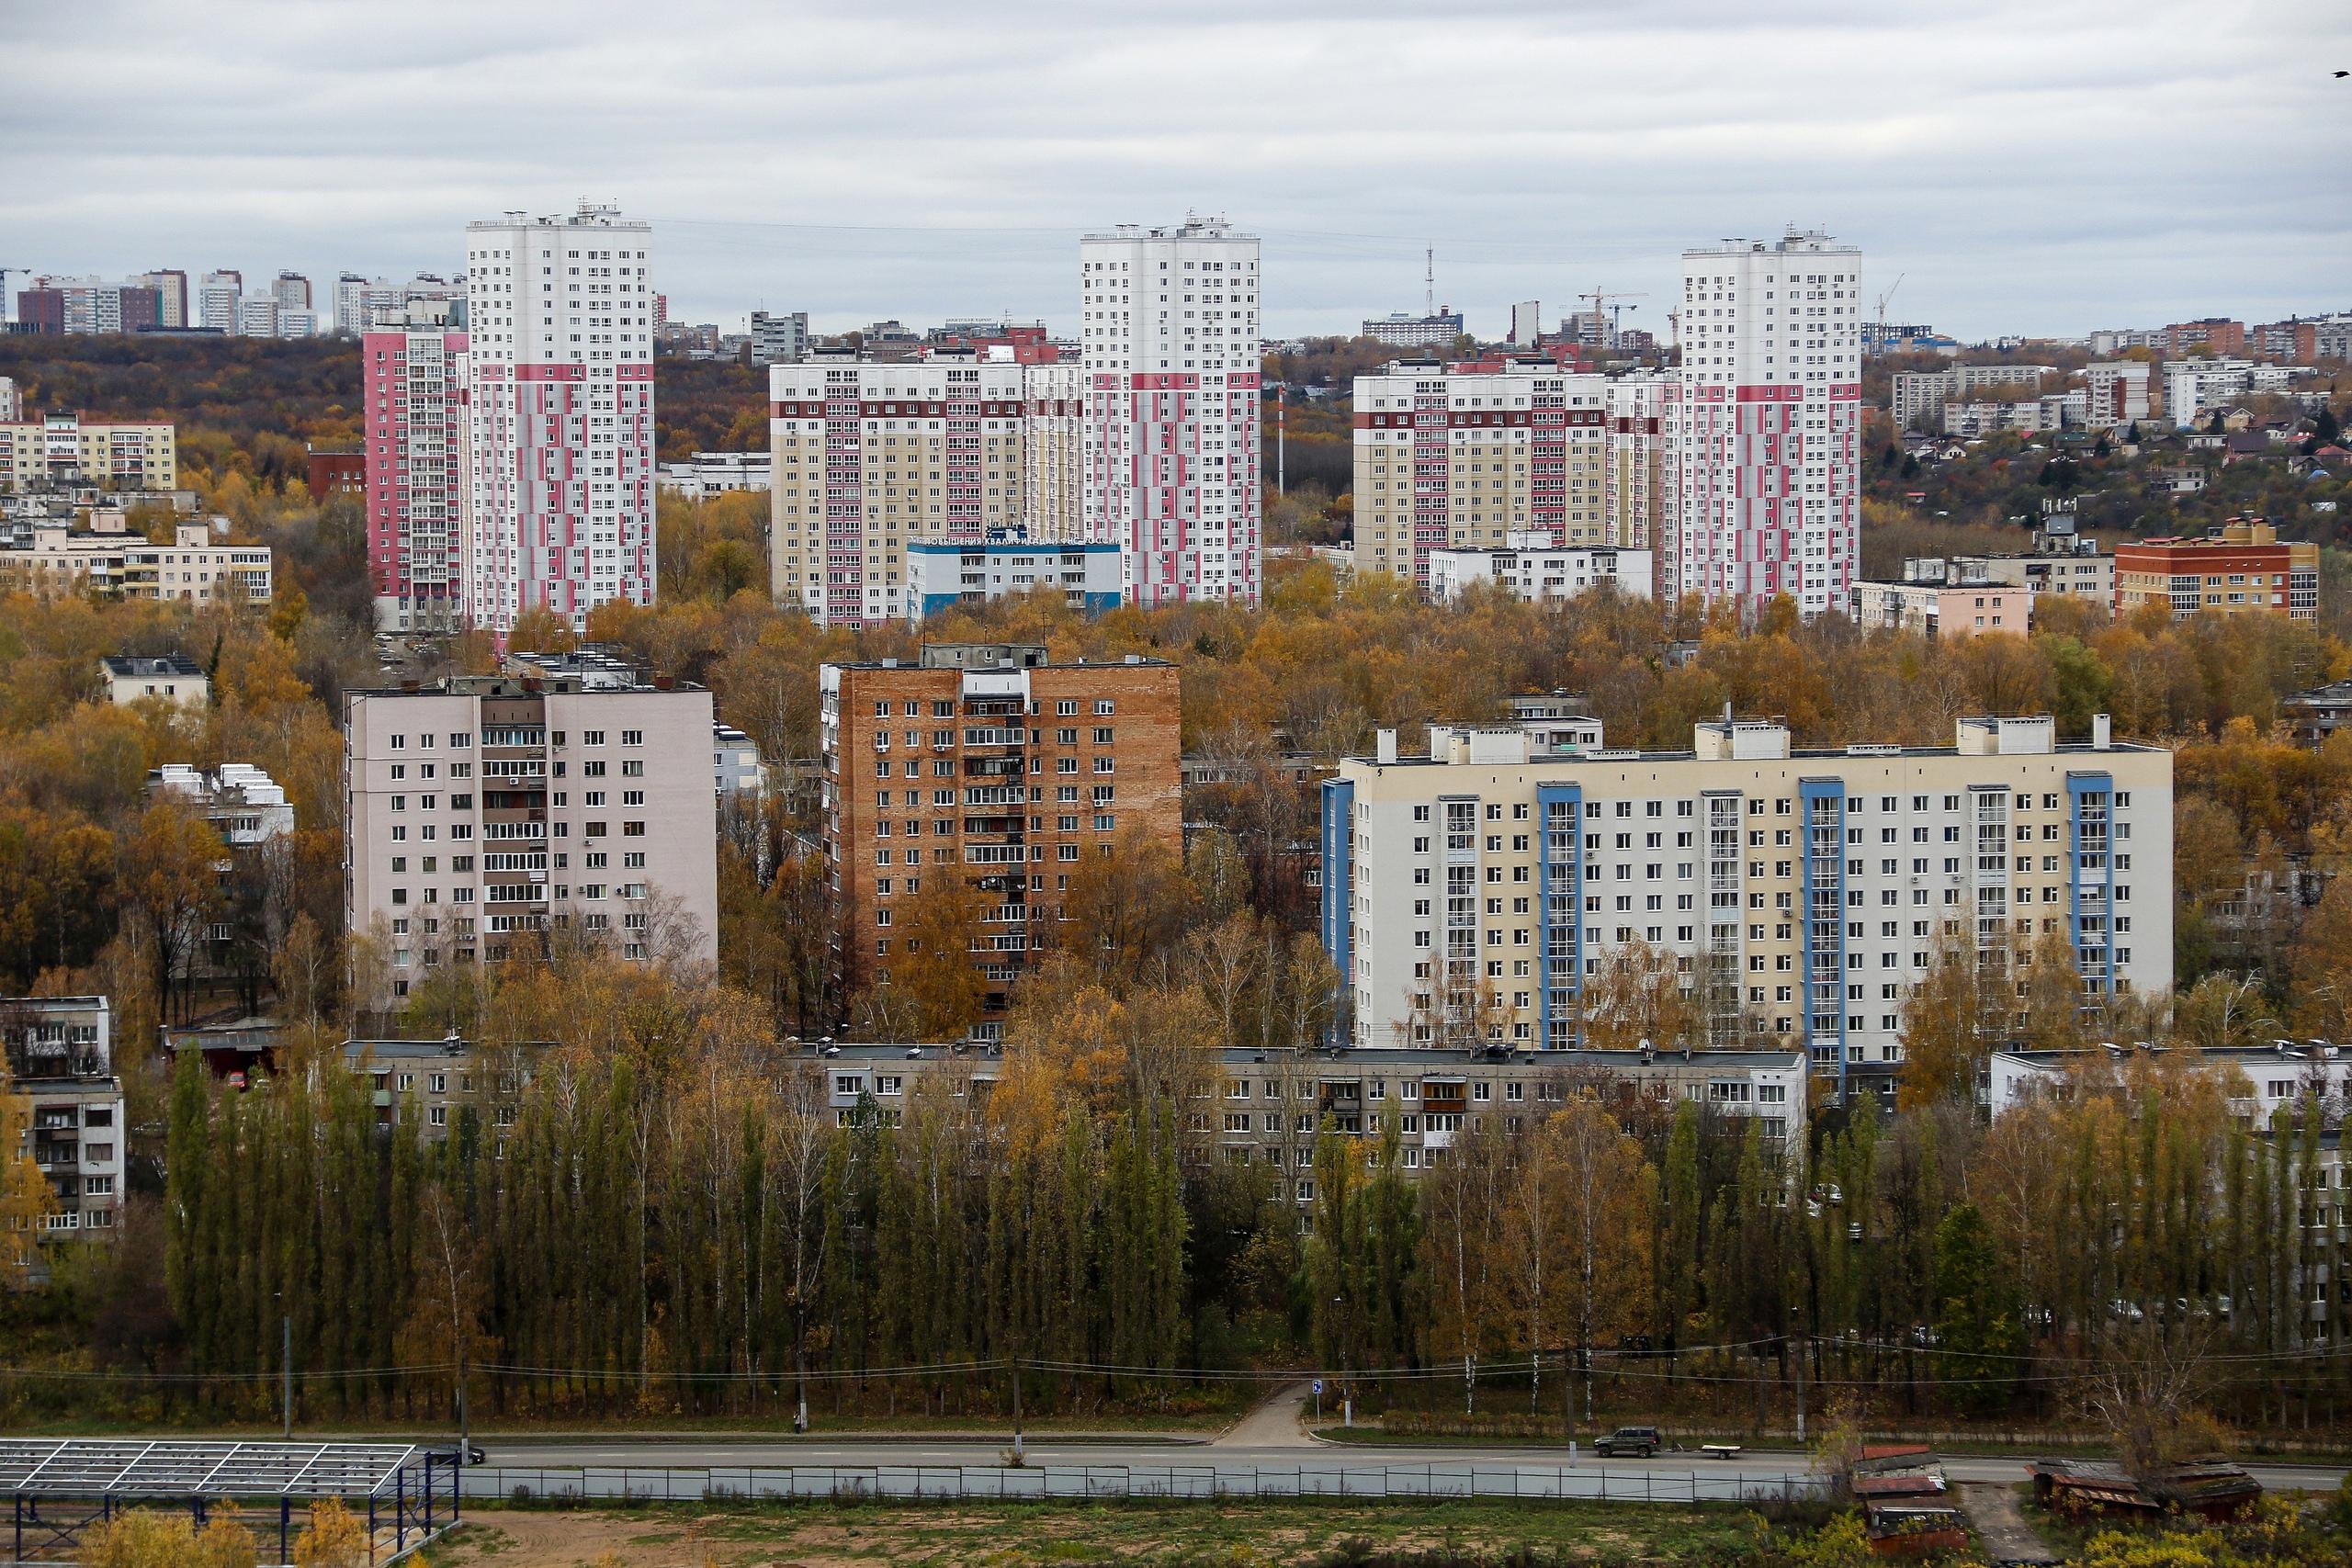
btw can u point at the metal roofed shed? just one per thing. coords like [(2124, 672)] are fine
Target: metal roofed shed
[(58, 1486)]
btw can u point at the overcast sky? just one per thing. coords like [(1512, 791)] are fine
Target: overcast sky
[(2043, 167)]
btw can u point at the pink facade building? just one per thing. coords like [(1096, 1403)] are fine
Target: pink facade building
[(1768, 471), (560, 318), (417, 438), (488, 813), (1171, 350)]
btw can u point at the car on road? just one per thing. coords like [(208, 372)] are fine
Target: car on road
[(1641, 1441)]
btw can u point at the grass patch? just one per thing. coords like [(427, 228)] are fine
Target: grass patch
[(1157, 1535)]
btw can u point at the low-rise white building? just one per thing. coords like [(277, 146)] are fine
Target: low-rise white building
[(2059, 561), (1915, 393), (735, 762), (244, 804), (57, 560), (173, 677), (1530, 567), (2193, 387), (1935, 608), (707, 474), (2050, 410), (943, 573), (61, 1057), (1270, 1107), (2274, 1075)]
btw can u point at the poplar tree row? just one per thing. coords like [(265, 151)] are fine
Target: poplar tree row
[(625, 1226)]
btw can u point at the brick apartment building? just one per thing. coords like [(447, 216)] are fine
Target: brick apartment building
[(2239, 569), (985, 761)]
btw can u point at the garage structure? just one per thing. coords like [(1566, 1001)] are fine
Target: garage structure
[(57, 1487)]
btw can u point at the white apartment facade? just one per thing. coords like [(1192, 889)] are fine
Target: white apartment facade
[(709, 474), (2051, 412), (56, 562), (1771, 458), (2194, 387), (944, 573), (174, 678), (1171, 323), (560, 345), (60, 1056), (2115, 393), (1529, 566), (779, 337), (1641, 495), (865, 459), (1450, 458), (1918, 393), (487, 811), (1799, 896), (218, 295)]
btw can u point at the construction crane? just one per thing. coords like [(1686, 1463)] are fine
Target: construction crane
[(1879, 315), (1599, 298), (1889, 295)]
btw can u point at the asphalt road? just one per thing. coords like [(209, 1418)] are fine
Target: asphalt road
[(1313, 1465)]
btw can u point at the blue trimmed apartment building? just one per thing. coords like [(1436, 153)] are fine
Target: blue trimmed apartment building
[(1798, 895), (943, 573)]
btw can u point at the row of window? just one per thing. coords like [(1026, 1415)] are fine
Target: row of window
[(513, 735)]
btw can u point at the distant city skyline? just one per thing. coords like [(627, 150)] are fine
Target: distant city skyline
[(2031, 169)]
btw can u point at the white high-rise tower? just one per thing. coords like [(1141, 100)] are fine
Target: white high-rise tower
[(560, 312), (1769, 456), (1170, 335)]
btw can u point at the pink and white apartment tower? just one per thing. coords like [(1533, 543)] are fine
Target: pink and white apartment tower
[(418, 438), (1769, 456), (1172, 359), (560, 312)]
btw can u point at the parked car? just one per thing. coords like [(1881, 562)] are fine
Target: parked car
[(1641, 1441)]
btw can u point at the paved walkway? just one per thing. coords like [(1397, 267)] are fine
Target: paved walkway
[(1276, 1424), (2001, 1524)]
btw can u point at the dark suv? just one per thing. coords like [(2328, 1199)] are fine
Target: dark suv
[(1641, 1441)]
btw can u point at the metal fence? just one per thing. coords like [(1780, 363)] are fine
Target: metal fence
[(1195, 1483)]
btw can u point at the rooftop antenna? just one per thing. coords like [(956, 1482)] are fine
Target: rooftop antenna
[(1429, 282)]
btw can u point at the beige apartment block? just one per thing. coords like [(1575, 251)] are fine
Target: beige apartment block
[(867, 458), (1464, 456), (66, 449), (487, 814), (1799, 896), (57, 560)]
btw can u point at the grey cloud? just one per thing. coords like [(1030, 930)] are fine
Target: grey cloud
[(2047, 166)]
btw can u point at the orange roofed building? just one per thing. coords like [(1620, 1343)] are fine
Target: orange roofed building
[(2240, 569)]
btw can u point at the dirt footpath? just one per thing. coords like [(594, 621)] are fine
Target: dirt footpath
[(2000, 1524)]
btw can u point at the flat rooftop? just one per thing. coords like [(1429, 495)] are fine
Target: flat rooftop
[(518, 686), (136, 666)]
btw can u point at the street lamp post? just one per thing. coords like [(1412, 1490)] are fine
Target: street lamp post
[(1346, 1376)]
